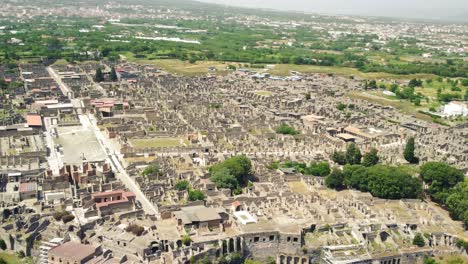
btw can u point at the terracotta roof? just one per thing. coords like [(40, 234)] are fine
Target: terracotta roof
[(34, 120), (27, 187)]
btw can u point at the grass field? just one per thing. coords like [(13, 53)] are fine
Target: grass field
[(176, 66), (158, 143), (10, 258), (182, 67), (283, 70), (298, 187), (402, 105), (452, 259)]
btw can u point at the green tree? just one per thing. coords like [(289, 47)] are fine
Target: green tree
[(196, 195), (285, 129), (239, 166), (353, 154), (152, 170), (370, 158), (186, 240), (321, 169), (415, 83), (3, 245), (390, 182), (335, 180), (409, 151), (356, 177), (440, 177), (457, 202), (339, 157), (2, 261), (182, 185), (113, 75), (99, 76), (418, 240), (223, 178)]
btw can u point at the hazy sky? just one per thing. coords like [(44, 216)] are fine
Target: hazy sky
[(430, 9)]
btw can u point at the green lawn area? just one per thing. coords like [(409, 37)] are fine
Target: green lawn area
[(158, 143), (283, 70), (9, 258), (402, 105), (181, 67)]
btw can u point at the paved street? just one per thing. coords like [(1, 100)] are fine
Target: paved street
[(89, 123)]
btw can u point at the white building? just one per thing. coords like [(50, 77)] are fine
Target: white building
[(455, 109)]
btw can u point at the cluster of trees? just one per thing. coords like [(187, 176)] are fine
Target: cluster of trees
[(415, 83), (458, 69), (381, 181), (232, 173), (353, 156), (447, 186), (285, 129), (100, 77), (320, 169), (64, 216)]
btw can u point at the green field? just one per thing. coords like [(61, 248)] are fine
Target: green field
[(158, 143), (284, 70), (402, 105), (10, 258), (181, 67)]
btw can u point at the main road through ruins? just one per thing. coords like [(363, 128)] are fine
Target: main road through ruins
[(89, 122)]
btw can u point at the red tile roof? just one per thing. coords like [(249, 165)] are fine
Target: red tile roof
[(34, 120), (27, 187)]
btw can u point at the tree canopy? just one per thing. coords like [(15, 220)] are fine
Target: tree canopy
[(99, 76), (239, 167), (381, 181), (409, 151), (440, 177), (370, 158), (285, 129)]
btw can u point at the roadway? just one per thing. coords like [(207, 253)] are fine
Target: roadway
[(89, 122)]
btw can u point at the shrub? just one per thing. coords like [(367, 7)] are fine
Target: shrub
[(286, 130), (196, 195), (59, 215), (135, 229), (186, 240), (182, 185), (67, 218), (418, 240)]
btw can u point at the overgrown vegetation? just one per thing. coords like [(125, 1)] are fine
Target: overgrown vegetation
[(232, 173), (135, 229), (285, 129)]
